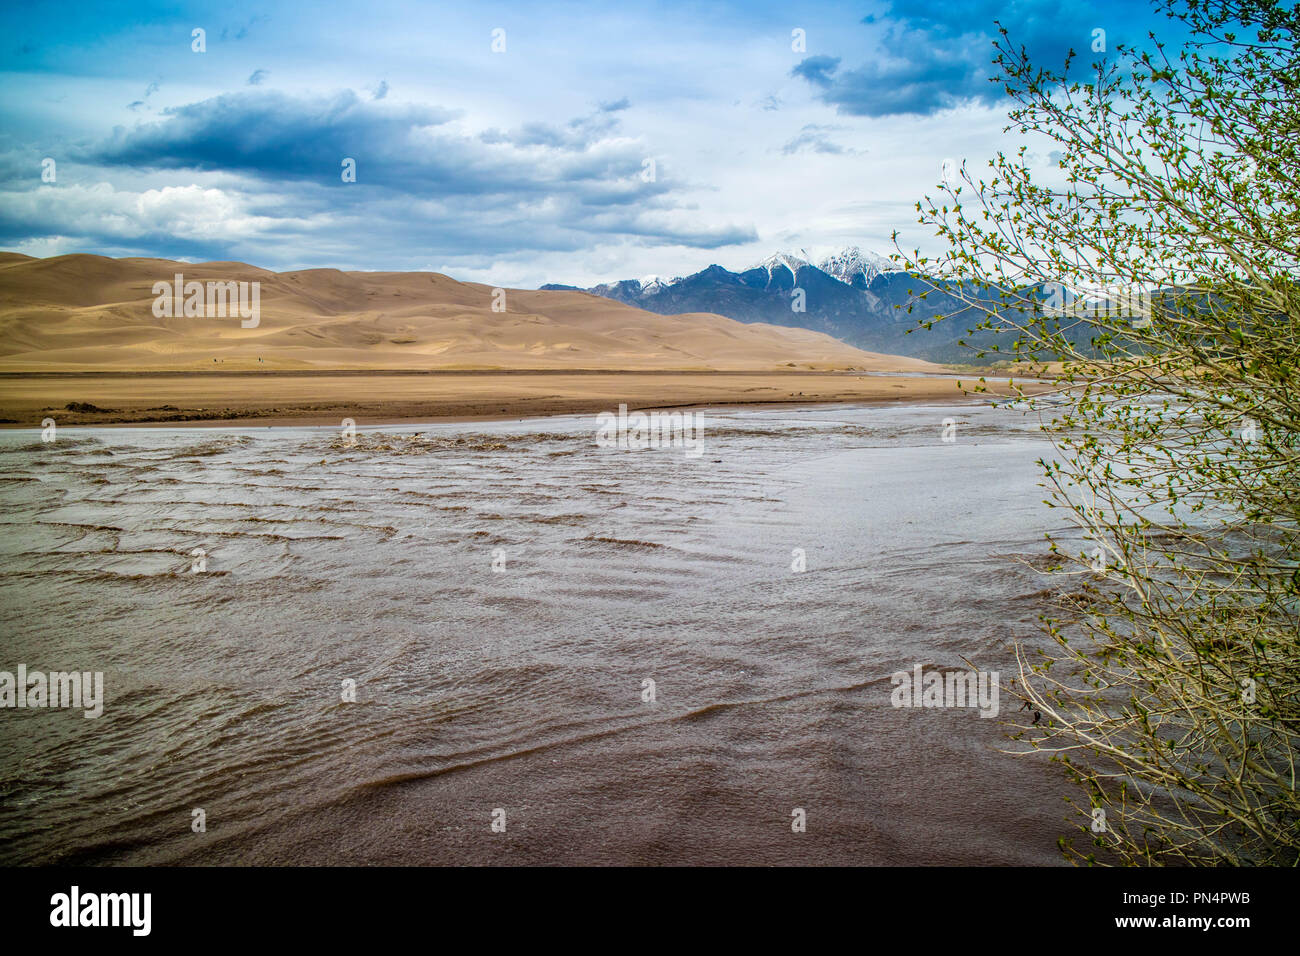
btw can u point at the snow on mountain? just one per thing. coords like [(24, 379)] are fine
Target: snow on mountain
[(853, 266), (781, 260), (855, 296), (853, 262), (653, 283)]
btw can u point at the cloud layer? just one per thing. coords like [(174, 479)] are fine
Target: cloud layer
[(654, 138)]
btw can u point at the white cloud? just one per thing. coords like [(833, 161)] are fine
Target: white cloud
[(186, 212)]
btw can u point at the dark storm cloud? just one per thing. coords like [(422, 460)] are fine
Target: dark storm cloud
[(939, 56)]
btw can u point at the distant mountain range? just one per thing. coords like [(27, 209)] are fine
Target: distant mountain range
[(858, 297)]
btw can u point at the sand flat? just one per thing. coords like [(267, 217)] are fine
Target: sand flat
[(324, 398)]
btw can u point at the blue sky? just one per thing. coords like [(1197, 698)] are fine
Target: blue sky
[(517, 167)]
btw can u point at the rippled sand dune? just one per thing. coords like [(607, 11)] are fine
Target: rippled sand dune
[(87, 313)]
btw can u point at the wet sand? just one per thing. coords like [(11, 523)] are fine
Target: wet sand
[(369, 397)]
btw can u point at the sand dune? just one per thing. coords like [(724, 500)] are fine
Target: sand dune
[(81, 343), (91, 313)]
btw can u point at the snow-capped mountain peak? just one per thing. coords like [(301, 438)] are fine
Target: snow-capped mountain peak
[(853, 262), (655, 283), (853, 266), (781, 260)]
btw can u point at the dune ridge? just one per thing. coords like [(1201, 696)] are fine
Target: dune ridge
[(86, 313)]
